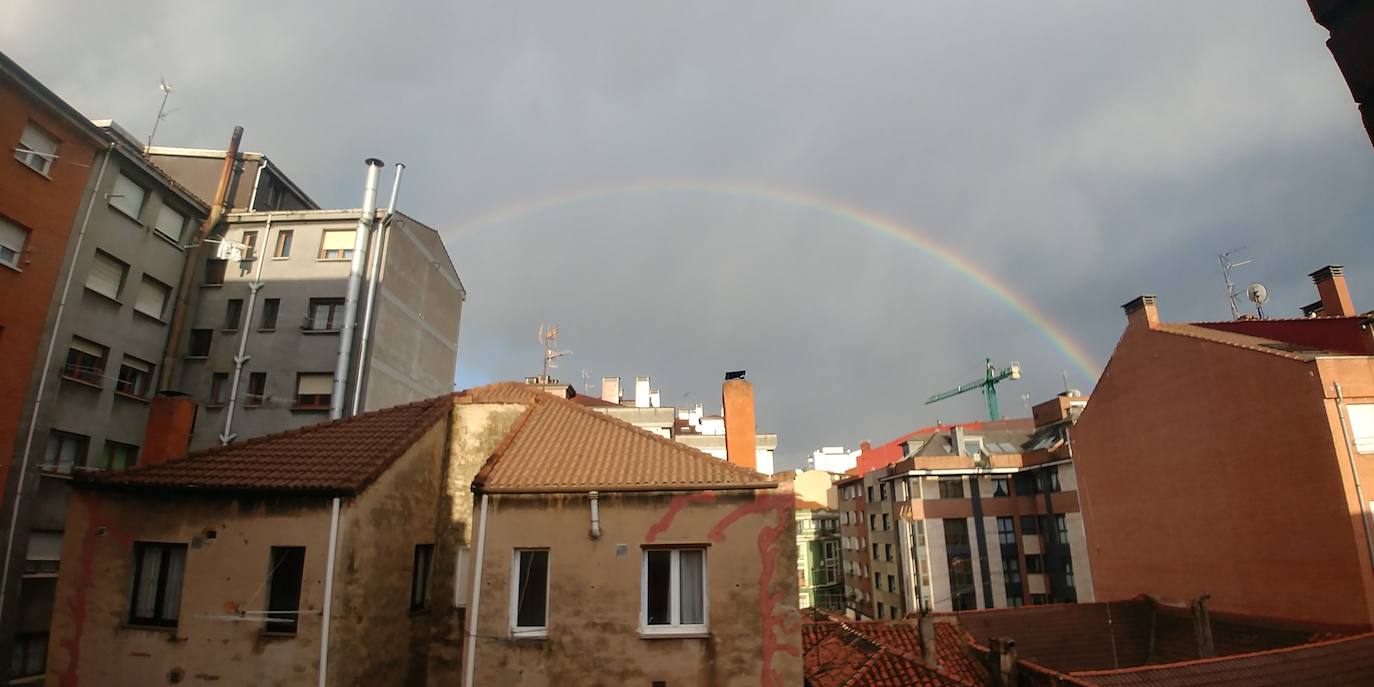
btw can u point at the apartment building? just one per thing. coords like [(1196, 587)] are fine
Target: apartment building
[(1235, 459), (820, 584), (259, 186), (854, 542), (268, 315)]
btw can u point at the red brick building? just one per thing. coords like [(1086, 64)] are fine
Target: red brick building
[(1236, 459)]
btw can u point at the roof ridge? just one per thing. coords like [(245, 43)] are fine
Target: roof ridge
[(1178, 329), (1221, 659)]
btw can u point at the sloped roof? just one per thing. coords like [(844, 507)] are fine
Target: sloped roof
[(880, 654), (559, 446), (1253, 343), (1341, 662), (340, 457)]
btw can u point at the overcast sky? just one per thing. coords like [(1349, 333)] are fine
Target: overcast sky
[(1081, 153)]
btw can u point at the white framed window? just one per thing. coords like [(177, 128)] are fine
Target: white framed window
[(1362, 426), (672, 591), (13, 238), (37, 149), (127, 196), (529, 593), (152, 297), (106, 276), (170, 223)]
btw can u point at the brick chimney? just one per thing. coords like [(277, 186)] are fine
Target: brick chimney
[(1142, 311), (737, 398), (865, 446), (1331, 286), (610, 389), (171, 420)]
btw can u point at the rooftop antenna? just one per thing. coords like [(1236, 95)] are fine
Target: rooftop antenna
[(1064, 374), (1227, 267), (162, 109), (1259, 296), (549, 339), (1025, 401), (586, 382)]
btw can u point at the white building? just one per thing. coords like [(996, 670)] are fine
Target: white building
[(835, 459)]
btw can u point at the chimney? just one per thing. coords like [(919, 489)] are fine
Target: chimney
[(171, 420), (1331, 286), (1142, 311), (655, 399), (928, 650), (737, 399), (957, 437), (641, 392), (1003, 661), (610, 389), (865, 446)]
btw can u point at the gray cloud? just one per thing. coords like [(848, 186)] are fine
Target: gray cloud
[(1082, 154)]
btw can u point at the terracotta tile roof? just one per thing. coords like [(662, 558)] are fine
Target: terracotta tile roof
[(594, 401), (876, 654), (558, 446), (340, 457), (1333, 663)]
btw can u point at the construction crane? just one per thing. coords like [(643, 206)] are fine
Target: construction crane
[(988, 384)]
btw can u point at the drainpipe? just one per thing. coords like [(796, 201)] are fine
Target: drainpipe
[(470, 656), (228, 434), (43, 380), (596, 515), (382, 231), (257, 179), (1354, 470), (328, 592), (355, 283), (193, 253)]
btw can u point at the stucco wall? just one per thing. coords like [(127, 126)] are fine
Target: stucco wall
[(594, 600)]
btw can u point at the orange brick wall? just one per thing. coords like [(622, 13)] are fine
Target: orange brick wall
[(47, 208), (1205, 468)]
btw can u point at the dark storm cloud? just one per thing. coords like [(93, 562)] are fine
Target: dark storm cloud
[(1083, 154)]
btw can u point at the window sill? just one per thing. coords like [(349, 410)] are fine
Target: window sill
[(674, 634), (214, 406), (281, 257), (40, 576), (150, 318), (228, 330), (131, 397), (29, 167), (168, 239), (120, 211), (208, 285), (309, 409), (30, 679), (423, 610), (540, 634), (82, 382), (197, 357), (111, 299), (13, 267), (171, 630), (313, 332), (277, 634), (55, 473), (264, 330), (347, 259)]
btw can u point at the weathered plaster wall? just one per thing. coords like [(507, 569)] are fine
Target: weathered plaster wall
[(594, 601), (91, 642)]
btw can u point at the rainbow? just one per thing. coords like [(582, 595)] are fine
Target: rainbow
[(848, 214)]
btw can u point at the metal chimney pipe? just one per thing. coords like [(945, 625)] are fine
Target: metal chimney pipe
[(355, 283), (371, 303)]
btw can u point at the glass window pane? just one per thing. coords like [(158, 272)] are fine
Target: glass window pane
[(145, 599), (171, 600), (533, 592), (658, 586), (691, 566)]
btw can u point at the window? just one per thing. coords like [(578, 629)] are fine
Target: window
[(891, 583), (1361, 415), (1028, 525), (127, 196), (117, 456), (872, 523), (37, 149), (880, 609), (877, 580), (134, 377), (887, 551), (30, 654), (65, 451), (1052, 478), (529, 592), (152, 297), (829, 548), (85, 361), (270, 308), (13, 238), (875, 551), (214, 271), (892, 612), (887, 522), (233, 313), (257, 389), (1061, 525), (1035, 564), (674, 590), (170, 224), (283, 246), (284, 593), (951, 487), (1006, 532), (219, 388), (870, 493), (973, 446), (326, 314), (158, 570), (106, 276), (419, 576), (1039, 599), (1001, 486), (882, 491), (250, 245), (314, 389), (956, 532), (198, 346), (337, 245)]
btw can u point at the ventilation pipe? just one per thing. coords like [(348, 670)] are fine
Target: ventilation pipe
[(355, 284), (382, 230), (596, 515)]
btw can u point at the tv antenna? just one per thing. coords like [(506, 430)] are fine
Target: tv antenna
[(1259, 296), (586, 382), (549, 339), (162, 111), (1227, 267)]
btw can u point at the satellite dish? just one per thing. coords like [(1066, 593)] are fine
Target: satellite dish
[(1257, 293)]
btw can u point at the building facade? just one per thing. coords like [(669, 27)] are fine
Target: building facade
[(1206, 443), (259, 186)]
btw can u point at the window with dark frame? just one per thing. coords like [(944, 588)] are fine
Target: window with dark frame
[(155, 597), (287, 567), (530, 593), (1028, 525), (1035, 564), (1001, 486), (86, 361), (419, 576), (887, 551), (219, 388), (214, 271), (117, 456), (198, 345), (270, 308), (30, 654), (1006, 532), (257, 389), (65, 451), (135, 377), (326, 314), (951, 487), (233, 313), (875, 551)]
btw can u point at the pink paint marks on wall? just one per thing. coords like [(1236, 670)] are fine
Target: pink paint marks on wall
[(76, 604), (674, 507)]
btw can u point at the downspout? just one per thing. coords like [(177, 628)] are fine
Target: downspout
[(257, 178), (328, 592), (381, 233), (43, 380), (355, 283), (1354, 471), (228, 434), (474, 601), (193, 253), (596, 515)]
